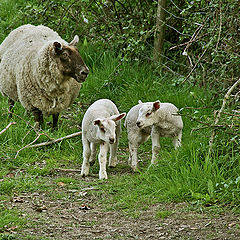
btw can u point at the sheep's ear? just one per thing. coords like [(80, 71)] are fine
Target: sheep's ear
[(139, 102), (75, 41), (57, 47), (156, 105), (97, 122), (117, 117)]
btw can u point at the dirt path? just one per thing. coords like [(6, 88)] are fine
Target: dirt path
[(78, 215)]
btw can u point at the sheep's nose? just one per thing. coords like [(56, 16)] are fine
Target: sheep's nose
[(84, 73), (111, 140), (138, 123)]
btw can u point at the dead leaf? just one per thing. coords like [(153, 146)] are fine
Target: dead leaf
[(10, 175), (42, 208), (84, 207), (231, 224), (18, 199), (11, 229), (61, 184)]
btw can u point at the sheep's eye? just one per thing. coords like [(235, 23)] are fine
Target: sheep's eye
[(102, 129), (148, 114), (64, 56)]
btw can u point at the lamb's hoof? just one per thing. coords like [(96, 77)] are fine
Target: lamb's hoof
[(103, 177)]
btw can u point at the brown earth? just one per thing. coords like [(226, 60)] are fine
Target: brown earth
[(78, 215)]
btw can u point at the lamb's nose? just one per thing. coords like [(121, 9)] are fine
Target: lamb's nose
[(138, 123), (111, 140)]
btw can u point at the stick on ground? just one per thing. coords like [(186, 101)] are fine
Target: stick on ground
[(56, 140)]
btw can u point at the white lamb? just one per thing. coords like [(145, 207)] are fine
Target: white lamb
[(155, 119), (101, 125), (41, 70)]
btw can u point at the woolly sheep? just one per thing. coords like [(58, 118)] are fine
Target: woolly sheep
[(101, 125), (155, 119), (41, 70)]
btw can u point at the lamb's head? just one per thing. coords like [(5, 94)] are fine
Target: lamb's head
[(70, 63), (147, 114), (106, 128)]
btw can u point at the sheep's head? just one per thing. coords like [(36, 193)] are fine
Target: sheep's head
[(106, 127), (146, 115), (69, 61)]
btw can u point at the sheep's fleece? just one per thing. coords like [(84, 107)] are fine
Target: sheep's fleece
[(30, 71)]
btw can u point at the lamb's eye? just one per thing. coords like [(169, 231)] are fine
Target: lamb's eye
[(148, 114), (102, 129)]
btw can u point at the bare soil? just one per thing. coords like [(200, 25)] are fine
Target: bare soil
[(79, 215)]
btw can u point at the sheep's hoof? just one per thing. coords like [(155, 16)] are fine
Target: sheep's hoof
[(83, 175)]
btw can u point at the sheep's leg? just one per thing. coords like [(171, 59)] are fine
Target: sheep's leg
[(86, 155), (38, 117), (55, 120), (113, 153), (155, 145), (11, 105), (133, 148), (92, 158), (102, 158), (177, 140)]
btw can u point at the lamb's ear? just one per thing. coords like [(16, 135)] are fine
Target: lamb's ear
[(139, 102), (75, 41), (57, 47), (117, 117), (156, 105), (97, 122)]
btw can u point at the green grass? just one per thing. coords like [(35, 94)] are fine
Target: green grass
[(179, 175)]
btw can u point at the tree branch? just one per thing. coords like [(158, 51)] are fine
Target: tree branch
[(226, 97)]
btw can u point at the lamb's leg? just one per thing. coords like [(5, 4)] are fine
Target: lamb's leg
[(155, 145), (113, 153), (92, 158), (55, 120), (177, 140), (11, 105), (133, 148), (102, 158), (38, 117), (86, 155)]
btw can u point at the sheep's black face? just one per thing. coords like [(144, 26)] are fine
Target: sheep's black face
[(70, 62)]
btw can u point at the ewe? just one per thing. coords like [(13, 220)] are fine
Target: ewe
[(155, 119), (101, 125), (41, 70)]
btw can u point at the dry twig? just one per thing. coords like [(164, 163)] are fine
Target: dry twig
[(56, 140), (226, 97), (8, 126)]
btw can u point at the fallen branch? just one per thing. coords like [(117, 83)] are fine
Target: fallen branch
[(67, 170), (8, 126), (56, 140), (226, 97), (28, 145)]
